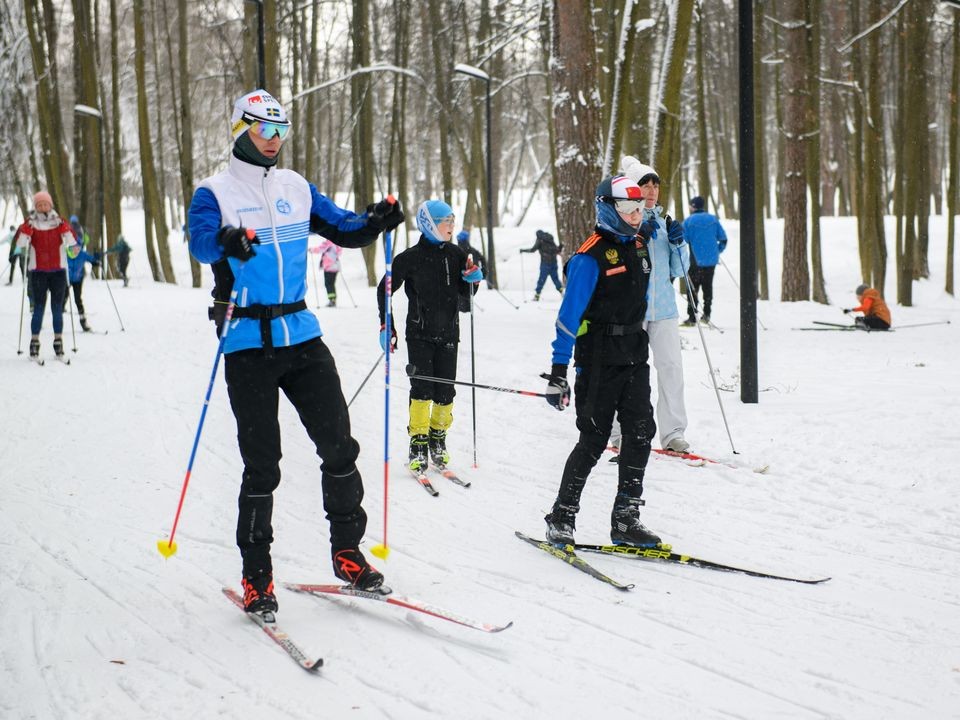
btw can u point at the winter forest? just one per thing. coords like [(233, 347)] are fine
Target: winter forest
[(113, 101)]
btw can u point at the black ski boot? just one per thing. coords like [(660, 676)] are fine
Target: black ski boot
[(34, 348), (58, 347), (625, 525), (83, 324), (438, 448), (351, 566), (418, 453), (258, 594), (561, 524)]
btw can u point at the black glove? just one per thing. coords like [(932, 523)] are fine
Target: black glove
[(238, 242), (384, 215), (558, 390), (674, 232), (648, 229), (847, 311)]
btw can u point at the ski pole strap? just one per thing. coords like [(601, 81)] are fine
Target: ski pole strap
[(264, 313)]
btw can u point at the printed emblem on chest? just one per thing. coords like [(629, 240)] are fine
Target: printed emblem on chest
[(613, 257), (283, 207)]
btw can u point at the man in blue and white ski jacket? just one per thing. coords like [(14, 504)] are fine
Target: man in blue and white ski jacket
[(250, 223)]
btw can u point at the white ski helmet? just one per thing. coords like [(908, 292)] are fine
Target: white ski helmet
[(255, 106)]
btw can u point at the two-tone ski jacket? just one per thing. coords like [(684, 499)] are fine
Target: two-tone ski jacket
[(605, 302), (669, 261), (48, 237), (283, 208)]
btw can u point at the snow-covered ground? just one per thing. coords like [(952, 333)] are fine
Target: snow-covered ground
[(860, 431)]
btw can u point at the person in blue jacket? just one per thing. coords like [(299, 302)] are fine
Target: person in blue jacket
[(250, 222), (707, 240), (601, 322), (77, 257)]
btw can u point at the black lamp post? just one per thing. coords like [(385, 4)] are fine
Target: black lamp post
[(479, 74), (92, 112)]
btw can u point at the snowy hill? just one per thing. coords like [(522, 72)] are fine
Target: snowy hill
[(860, 431)]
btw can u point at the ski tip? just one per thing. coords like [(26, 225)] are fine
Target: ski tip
[(314, 666)]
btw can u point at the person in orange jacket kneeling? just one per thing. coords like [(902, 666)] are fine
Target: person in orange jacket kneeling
[(876, 314)]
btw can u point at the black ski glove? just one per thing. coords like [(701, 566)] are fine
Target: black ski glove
[(558, 390), (238, 242), (385, 215)]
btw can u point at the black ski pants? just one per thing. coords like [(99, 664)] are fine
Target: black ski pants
[(307, 375), (700, 277), (330, 283), (623, 390), (77, 295), (42, 282), (436, 359)]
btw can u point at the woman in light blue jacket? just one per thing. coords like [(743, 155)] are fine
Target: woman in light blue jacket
[(671, 257)]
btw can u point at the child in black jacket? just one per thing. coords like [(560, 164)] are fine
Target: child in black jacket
[(436, 275)]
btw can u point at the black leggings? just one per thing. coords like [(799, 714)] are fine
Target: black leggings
[(307, 375), (77, 295), (42, 282), (435, 359)]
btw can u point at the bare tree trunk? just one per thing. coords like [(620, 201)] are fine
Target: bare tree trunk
[(814, 126), (42, 31), (185, 145), (667, 163), (703, 148), (871, 204), (761, 171), (362, 136), (954, 151), (796, 65), (576, 112), (152, 202)]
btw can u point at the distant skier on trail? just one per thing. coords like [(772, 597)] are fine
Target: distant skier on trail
[(876, 314), (122, 249), (46, 237), (601, 322), (549, 251), (707, 240), (436, 275), (274, 343), (330, 264), (77, 257), (463, 240)]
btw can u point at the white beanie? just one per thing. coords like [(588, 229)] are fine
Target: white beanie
[(636, 170)]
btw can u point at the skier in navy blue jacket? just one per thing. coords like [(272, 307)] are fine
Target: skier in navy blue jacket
[(273, 342)]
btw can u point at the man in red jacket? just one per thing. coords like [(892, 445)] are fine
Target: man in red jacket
[(45, 236)]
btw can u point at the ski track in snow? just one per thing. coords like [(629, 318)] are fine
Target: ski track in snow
[(860, 430)]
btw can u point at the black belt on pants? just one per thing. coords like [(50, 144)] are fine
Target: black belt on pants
[(265, 314)]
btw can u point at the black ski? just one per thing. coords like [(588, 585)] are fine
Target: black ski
[(664, 553), (567, 554), (269, 626), (38, 360)]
